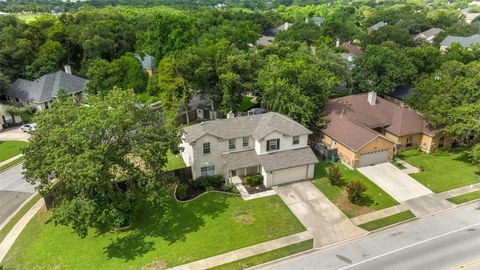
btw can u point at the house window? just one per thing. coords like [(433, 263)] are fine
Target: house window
[(245, 141), (231, 144), (206, 148), (17, 100), (441, 142), (273, 144), (409, 141), (296, 140), (207, 171)]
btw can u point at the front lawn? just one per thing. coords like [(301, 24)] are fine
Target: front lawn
[(386, 221), (174, 161), (442, 170), (213, 224), (375, 197), (10, 149)]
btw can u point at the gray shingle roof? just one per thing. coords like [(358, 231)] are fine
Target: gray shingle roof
[(147, 61), (464, 41), (46, 87), (378, 25), (287, 159), (242, 159), (258, 126), (429, 34), (317, 20)]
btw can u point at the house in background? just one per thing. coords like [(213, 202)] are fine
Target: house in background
[(364, 129), (148, 63), (351, 54), (41, 92), (466, 42), (375, 27), (428, 35), (268, 36), (469, 15), (316, 20), (270, 144), (6, 119)]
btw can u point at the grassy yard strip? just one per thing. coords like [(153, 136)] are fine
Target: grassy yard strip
[(11, 164), (376, 198), (442, 171), (174, 161), (10, 149), (267, 256), (465, 197), (160, 237), (5, 230), (383, 222)]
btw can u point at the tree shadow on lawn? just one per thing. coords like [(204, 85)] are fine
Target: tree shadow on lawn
[(171, 222)]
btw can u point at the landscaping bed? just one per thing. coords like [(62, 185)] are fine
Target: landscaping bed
[(442, 171), (189, 190), (386, 221), (374, 197), (162, 236), (254, 184)]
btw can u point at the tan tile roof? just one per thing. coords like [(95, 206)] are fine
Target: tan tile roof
[(258, 126), (287, 159)]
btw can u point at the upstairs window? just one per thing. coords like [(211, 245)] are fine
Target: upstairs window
[(245, 141), (296, 140), (273, 145), (231, 144), (206, 148)]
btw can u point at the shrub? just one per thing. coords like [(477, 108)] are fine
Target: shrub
[(355, 190), (229, 188), (254, 180), (334, 175), (182, 193), (209, 182)]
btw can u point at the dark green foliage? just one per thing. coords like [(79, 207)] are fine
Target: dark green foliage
[(253, 180), (182, 191), (355, 190), (211, 182), (334, 175)]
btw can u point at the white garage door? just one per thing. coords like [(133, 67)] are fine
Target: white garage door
[(289, 175), (372, 158)]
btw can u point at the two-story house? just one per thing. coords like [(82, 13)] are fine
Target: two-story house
[(270, 144)]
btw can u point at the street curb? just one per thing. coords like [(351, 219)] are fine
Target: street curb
[(11, 168), (16, 211)]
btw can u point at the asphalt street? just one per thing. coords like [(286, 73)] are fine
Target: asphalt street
[(14, 190), (449, 240)]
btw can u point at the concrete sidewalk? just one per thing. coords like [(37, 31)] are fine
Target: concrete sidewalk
[(459, 191), (245, 252), (7, 243), (10, 159)]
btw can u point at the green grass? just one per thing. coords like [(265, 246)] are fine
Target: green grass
[(28, 17), (10, 149), (398, 165), (375, 197), (465, 197), (11, 164), (266, 257), (383, 222), (246, 104), (174, 161), (176, 234), (442, 170), (5, 230)]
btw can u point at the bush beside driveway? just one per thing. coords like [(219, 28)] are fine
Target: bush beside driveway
[(213, 224), (442, 170)]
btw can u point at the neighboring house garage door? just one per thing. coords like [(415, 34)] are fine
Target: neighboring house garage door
[(289, 175), (372, 158)]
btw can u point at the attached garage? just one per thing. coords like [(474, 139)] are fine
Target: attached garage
[(289, 175), (376, 157)]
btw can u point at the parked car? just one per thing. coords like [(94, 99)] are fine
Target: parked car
[(256, 111), (29, 127)]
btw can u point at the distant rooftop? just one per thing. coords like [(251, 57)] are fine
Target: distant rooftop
[(378, 25), (146, 60), (464, 41)]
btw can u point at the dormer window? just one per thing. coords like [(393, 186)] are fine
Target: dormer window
[(231, 144), (206, 148), (273, 145), (245, 141), (296, 140)]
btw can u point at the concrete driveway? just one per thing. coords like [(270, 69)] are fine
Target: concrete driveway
[(14, 190), (321, 217), (394, 181), (14, 134)]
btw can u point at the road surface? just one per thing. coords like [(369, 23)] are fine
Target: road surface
[(450, 240), (14, 190)]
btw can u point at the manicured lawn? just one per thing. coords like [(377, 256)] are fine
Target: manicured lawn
[(176, 234), (5, 230), (383, 222), (465, 197), (10, 149), (11, 164), (28, 17), (246, 104), (375, 197), (266, 257), (174, 161), (442, 170)]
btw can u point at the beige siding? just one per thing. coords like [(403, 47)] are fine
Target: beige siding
[(286, 142), (345, 154)]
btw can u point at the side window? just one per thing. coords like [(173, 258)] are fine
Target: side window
[(245, 141), (296, 140), (206, 148), (231, 144)]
